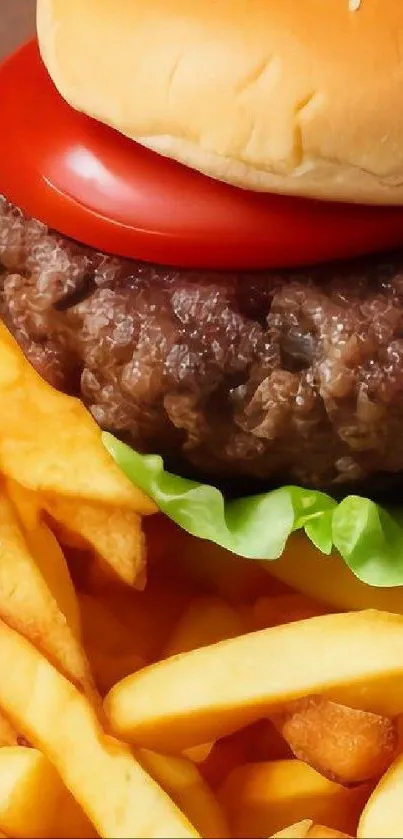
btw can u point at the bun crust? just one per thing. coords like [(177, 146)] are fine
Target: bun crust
[(302, 97)]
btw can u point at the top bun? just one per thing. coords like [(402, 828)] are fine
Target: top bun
[(303, 97)]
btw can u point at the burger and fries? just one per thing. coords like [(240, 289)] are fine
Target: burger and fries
[(159, 676), (172, 707)]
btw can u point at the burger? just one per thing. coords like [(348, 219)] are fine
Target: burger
[(200, 228)]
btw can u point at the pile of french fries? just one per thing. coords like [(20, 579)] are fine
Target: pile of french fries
[(190, 695)]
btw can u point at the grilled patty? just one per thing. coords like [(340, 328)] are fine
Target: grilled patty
[(246, 379)]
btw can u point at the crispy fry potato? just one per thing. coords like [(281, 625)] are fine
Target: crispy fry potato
[(47, 552), (244, 679), (329, 580), (305, 829), (286, 608), (117, 795), (260, 798), (59, 451), (199, 753), (33, 801), (318, 831), (206, 620), (28, 605), (114, 533), (8, 734), (346, 745), (383, 814), (299, 830), (184, 784)]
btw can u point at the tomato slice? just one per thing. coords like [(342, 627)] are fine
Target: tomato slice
[(94, 185)]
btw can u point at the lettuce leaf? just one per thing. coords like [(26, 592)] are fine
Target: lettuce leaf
[(368, 537)]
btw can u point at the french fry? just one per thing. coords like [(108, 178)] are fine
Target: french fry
[(50, 443), (299, 830), (8, 734), (205, 621), (121, 800), (354, 658), (86, 493), (383, 814), (28, 605), (59, 450), (260, 798), (318, 831), (328, 579), (113, 533), (47, 552), (305, 829), (199, 753), (346, 745), (183, 783), (33, 801)]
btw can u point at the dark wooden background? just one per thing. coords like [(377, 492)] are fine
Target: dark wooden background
[(17, 22)]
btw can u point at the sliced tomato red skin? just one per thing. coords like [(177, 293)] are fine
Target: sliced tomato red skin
[(91, 184)]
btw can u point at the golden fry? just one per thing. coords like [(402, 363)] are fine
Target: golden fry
[(28, 605), (260, 798), (383, 814), (299, 830), (47, 552), (8, 734), (199, 754), (118, 796), (328, 579), (205, 621), (318, 831), (50, 443), (184, 784), (244, 679), (113, 533), (307, 830), (346, 745), (33, 801)]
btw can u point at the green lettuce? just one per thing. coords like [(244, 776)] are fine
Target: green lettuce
[(368, 537)]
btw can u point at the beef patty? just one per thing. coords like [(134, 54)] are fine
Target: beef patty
[(266, 377)]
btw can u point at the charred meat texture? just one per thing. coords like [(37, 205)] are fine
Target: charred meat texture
[(272, 376)]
